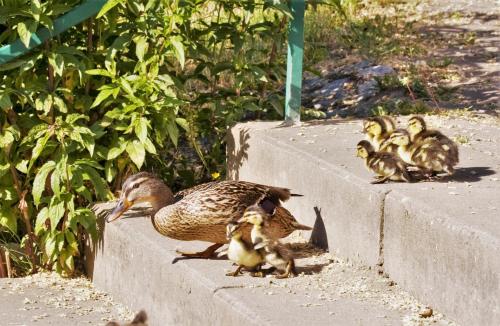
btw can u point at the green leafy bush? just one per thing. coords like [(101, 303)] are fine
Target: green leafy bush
[(146, 84)]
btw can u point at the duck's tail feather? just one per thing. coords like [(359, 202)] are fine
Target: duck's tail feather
[(298, 226)]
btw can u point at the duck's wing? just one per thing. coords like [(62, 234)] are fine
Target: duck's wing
[(183, 193), (229, 199)]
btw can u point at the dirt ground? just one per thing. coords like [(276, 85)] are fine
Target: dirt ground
[(48, 299)]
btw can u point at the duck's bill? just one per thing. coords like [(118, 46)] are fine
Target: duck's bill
[(122, 206)]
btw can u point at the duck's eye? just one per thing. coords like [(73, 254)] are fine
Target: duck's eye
[(136, 186)]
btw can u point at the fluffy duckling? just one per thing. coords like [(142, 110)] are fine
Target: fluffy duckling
[(419, 134), (428, 155), (241, 253), (139, 320), (274, 253), (377, 130), (387, 166)]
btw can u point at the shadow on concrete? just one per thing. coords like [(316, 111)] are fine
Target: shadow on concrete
[(319, 238), (470, 174), (311, 269), (236, 156)]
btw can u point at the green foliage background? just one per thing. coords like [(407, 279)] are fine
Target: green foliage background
[(145, 85)]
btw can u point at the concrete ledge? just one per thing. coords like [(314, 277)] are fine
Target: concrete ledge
[(133, 263), (440, 240)]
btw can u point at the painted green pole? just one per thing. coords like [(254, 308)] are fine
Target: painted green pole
[(294, 62), (71, 18)]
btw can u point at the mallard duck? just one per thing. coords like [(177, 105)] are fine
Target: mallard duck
[(140, 319), (202, 212), (274, 253), (428, 155), (419, 134), (377, 130), (241, 253), (387, 166)]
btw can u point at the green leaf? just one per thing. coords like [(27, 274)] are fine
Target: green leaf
[(5, 102), (56, 212), (149, 146), (72, 246), (179, 50), (100, 187), (135, 150), (60, 105), (141, 47), (57, 62), (103, 94), (40, 220), (8, 218), (39, 182), (22, 166), (173, 132), (55, 181), (117, 149), (183, 123), (109, 171), (24, 33), (99, 72), (50, 245), (141, 128), (38, 149), (89, 162), (107, 7)]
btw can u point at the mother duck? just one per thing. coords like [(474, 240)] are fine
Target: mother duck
[(202, 212)]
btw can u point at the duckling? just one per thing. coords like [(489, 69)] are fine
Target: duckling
[(428, 155), (419, 134), (241, 253), (139, 320), (274, 253), (377, 130), (387, 166)]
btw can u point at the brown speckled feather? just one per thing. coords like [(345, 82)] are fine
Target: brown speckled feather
[(202, 213)]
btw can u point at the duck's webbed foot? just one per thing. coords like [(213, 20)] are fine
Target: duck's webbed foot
[(289, 272), (205, 254), (380, 179), (235, 273)]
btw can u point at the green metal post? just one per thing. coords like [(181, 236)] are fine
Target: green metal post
[(294, 62), (71, 18)]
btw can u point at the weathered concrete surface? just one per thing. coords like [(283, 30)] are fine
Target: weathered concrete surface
[(440, 240), (133, 263), (48, 299)]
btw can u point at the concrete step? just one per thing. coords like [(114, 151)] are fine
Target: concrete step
[(135, 265), (439, 240)]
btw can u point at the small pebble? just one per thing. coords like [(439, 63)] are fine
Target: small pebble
[(425, 313)]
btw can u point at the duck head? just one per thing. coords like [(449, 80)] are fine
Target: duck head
[(255, 215), (139, 188), (233, 230), (416, 124), (374, 126), (400, 137), (364, 149)]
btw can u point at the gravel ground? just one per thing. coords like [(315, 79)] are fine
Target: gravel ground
[(48, 299), (324, 278)]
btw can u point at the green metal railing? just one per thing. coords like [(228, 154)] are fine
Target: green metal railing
[(92, 7), (294, 62), (71, 18)]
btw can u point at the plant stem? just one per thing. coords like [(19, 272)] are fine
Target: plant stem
[(50, 81), (90, 47), (23, 206), (7, 261), (2, 269)]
